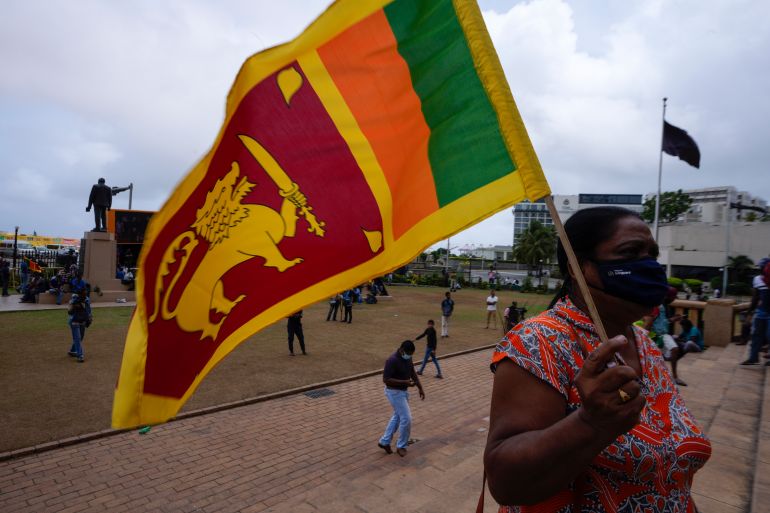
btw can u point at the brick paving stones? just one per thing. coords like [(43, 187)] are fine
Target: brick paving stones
[(301, 454)]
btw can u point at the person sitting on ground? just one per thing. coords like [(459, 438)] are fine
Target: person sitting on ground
[(128, 278), (690, 339), (659, 326), (570, 429), (32, 289), (57, 286)]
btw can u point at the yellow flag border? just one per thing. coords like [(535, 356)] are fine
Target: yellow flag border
[(527, 181)]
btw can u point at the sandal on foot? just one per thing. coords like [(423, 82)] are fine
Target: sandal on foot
[(385, 448), (401, 451), (680, 382)]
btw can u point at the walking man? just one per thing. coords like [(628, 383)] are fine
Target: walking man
[(492, 308), (430, 349), (294, 327), (447, 307), (398, 376)]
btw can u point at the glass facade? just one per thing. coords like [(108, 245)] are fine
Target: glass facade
[(526, 212), (610, 199)]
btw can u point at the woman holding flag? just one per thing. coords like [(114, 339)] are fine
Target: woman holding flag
[(570, 429)]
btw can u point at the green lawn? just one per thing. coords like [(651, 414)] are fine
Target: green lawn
[(48, 396)]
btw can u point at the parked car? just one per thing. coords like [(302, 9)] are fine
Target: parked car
[(6, 248)]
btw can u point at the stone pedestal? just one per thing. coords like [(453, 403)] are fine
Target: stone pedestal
[(99, 264), (718, 322)]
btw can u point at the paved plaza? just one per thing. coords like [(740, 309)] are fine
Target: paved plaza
[(304, 454)]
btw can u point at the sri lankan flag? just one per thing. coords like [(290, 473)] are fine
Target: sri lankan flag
[(384, 127), (34, 267)]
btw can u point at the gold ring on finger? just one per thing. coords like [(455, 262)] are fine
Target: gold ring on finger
[(624, 397)]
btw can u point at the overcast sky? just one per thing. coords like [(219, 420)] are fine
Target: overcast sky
[(134, 91)]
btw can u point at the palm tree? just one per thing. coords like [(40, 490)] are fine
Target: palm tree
[(742, 267), (537, 244)]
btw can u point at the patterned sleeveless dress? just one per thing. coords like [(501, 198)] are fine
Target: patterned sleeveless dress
[(649, 469)]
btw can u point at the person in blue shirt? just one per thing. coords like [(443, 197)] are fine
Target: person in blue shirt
[(57, 286), (347, 303), (79, 319), (690, 339), (760, 305), (78, 283)]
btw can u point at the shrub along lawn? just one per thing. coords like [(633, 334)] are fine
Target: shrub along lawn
[(49, 396)]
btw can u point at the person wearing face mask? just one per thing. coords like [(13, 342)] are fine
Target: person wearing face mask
[(398, 376), (570, 430)]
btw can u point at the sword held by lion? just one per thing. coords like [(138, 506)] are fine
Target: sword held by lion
[(221, 216)]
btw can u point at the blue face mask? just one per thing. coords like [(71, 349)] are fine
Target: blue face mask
[(642, 281), (406, 356)]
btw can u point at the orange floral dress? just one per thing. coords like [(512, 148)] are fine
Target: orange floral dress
[(649, 469)]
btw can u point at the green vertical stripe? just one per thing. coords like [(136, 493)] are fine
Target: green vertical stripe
[(466, 149)]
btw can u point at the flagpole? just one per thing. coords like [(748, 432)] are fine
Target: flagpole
[(575, 265), (660, 170)]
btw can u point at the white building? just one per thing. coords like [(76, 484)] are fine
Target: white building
[(566, 205), (693, 249), (491, 253), (709, 205)]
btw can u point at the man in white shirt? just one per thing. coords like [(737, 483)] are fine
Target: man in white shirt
[(491, 308)]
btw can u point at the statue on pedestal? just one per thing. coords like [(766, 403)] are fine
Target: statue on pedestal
[(101, 200)]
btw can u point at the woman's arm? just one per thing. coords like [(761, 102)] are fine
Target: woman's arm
[(534, 450)]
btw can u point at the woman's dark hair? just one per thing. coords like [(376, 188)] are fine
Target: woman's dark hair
[(586, 229), (407, 346)]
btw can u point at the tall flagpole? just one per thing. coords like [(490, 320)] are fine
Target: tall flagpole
[(660, 170)]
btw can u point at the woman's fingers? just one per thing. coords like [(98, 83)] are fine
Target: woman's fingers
[(614, 378), (597, 361)]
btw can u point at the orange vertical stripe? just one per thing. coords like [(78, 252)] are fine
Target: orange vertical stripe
[(375, 82)]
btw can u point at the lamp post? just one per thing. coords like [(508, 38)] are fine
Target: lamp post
[(15, 243), (130, 189), (540, 273)]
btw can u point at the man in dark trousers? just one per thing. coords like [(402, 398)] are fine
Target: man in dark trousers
[(101, 200), (430, 349), (447, 307), (5, 275), (347, 304), (294, 327), (398, 376)]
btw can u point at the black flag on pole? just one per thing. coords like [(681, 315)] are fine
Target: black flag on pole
[(678, 143)]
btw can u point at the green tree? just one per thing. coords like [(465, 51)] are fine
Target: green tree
[(672, 205), (535, 246), (741, 268), (751, 217)]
